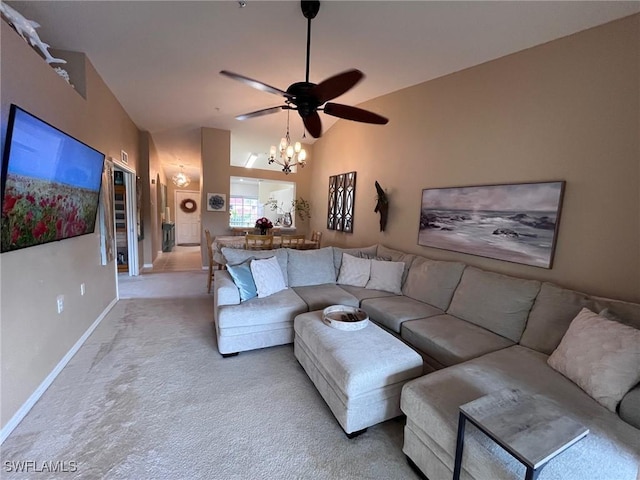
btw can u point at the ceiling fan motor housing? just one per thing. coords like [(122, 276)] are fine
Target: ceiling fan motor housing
[(306, 103)]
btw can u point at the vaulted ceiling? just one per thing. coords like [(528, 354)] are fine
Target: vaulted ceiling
[(161, 58)]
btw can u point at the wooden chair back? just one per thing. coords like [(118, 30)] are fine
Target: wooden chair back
[(316, 236), (258, 242), (209, 240), (293, 241)]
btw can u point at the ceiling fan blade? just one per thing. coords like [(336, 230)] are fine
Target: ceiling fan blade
[(313, 124), (354, 113), (255, 83), (259, 113), (335, 86)]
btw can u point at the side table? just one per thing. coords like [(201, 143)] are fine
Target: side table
[(532, 428)]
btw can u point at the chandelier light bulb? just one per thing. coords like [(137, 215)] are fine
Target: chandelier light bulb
[(297, 147)]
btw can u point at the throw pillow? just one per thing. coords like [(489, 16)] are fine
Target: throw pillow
[(267, 276), (354, 271), (235, 256), (601, 356), (242, 277), (386, 276)]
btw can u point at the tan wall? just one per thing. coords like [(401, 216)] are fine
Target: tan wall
[(566, 110), (216, 171), (34, 337)]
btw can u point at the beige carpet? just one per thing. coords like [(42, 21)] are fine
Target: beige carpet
[(180, 258), (149, 397)]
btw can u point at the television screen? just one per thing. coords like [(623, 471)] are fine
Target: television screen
[(50, 184)]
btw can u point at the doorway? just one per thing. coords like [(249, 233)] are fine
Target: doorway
[(126, 221), (187, 210)]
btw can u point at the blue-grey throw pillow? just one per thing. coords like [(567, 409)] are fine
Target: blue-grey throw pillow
[(242, 277)]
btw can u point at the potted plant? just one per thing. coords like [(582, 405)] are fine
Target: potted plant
[(301, 206)]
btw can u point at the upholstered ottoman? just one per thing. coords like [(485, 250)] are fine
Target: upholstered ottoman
[(359, 374)]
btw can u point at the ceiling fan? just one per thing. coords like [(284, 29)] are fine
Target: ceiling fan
[(308, 98)]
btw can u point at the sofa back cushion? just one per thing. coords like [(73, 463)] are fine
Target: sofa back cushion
[(623, 312), (499, 303), (554, 309), (311, 267), (396, 256), (433, 281), (235, 256), (360, 252)]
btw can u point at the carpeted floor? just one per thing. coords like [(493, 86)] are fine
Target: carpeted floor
[(149, 397)]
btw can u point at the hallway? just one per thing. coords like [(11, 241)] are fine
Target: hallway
[(180, 259)]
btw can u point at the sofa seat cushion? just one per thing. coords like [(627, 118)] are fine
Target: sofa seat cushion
[(281, 306), (318, 297), (393, 311), (449, 340), (497, 302), (610, 450), (362, 293)]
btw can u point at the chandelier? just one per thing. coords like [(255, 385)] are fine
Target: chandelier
[(289, 155), (181, 179)]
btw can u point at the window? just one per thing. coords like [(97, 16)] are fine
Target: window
[(243, 211)]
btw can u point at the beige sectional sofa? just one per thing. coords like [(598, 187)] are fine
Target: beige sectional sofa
[(478, 332)]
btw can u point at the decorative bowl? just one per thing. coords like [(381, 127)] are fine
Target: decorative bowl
[(344, 317)]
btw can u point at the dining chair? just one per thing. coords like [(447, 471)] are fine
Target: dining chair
[(258, 242), (209, 239), (316, 237), (293, 241)]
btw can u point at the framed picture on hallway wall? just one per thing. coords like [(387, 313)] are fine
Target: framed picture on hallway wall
[(216, 202), (515, 222)]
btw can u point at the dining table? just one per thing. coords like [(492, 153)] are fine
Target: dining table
[(236, 241)]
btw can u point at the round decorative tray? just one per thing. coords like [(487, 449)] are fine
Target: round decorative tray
[(344, 317)]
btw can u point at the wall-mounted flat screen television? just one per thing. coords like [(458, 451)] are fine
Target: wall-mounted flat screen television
[(50, 183)]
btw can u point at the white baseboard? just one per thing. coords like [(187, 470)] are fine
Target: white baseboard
[(46, 383)]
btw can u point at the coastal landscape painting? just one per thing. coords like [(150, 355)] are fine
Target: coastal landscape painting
[(516, 222)]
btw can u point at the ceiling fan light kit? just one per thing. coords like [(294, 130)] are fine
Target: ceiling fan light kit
[(308, 98)]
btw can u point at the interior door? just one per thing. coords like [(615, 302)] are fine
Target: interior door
[(187, 222)]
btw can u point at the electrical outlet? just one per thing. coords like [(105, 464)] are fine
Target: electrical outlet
[(60, 303), (82, 289)]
